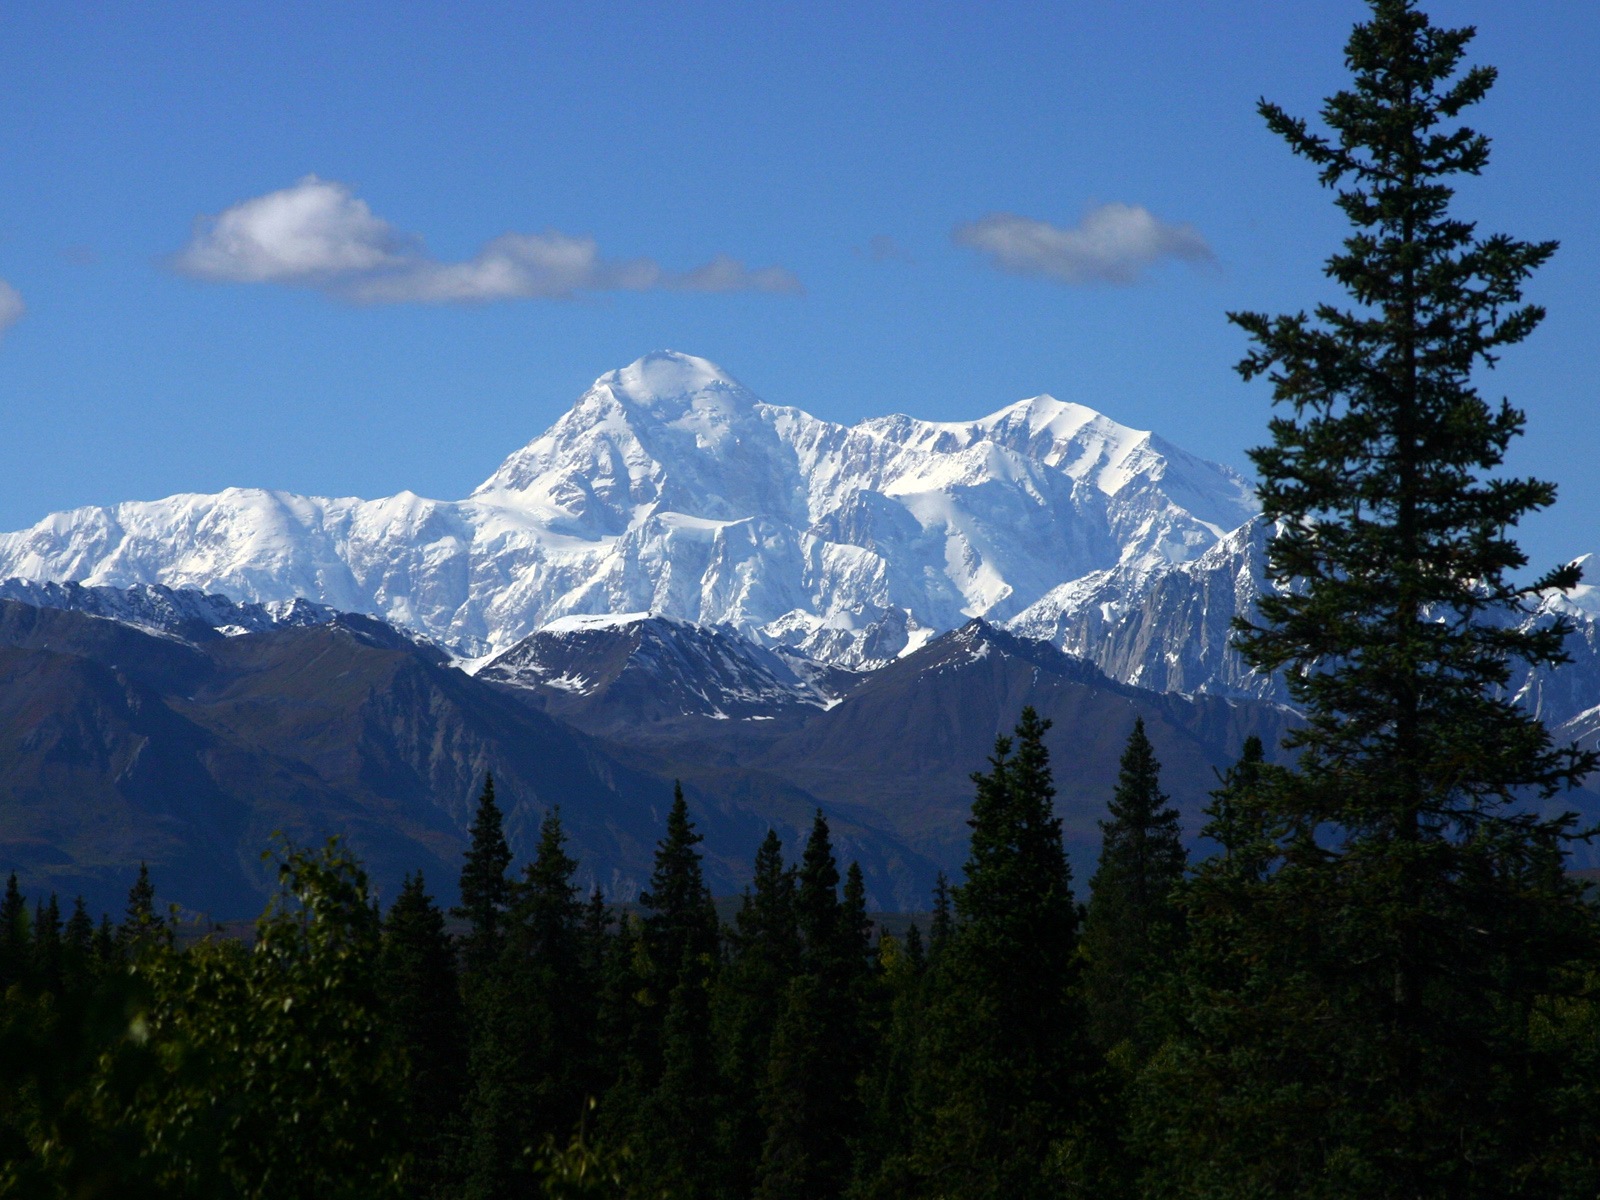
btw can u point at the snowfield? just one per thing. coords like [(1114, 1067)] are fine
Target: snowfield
[(669, 488)]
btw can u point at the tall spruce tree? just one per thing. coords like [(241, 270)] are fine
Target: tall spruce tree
[(764, 956), (535, 1025), (1132, 926), (16, 942), (425, 1018), (665, 1106), (47, 947), (1395, 974), (140, 924), (681, 925), (811, 1100), (78, 966), (550, 1010), (485, 898), (485, 888), (999, 1091)]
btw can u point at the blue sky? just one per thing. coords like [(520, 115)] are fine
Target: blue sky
[(806, 194)]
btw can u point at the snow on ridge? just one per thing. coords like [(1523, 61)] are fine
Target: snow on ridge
[(669, 488), (585, 622)]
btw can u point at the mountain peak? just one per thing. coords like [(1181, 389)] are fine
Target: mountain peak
[(670, 384)]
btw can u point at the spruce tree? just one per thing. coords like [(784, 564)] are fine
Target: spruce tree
[(47, 948), (764, 956), (999, 1091), (665, 1106), (942, 927), (811, 1100), (1399, 968), (1132, 926), (485, 889), (16, 942), (426, 1020), (141, 927), (78, 966), (681, 925), (485, 898), (549, 1014)]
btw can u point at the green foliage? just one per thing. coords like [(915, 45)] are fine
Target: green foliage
[(811, 1099), (666, 1107), (1132, 928), (271, 1073), (1004, 1060), (485, 889), (427, 1025), (533, 1024), (763, 956), (15, 935), (1376, 956)]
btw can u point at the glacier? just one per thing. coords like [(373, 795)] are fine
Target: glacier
[(670, 488)]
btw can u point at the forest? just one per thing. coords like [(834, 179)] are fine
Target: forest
[(1377, 979)]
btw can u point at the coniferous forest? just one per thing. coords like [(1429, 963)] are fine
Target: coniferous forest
[(1376, 979)]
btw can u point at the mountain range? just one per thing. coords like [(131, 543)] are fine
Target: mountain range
[(670, 488), (676, 582)]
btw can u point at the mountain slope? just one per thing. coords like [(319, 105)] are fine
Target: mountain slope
[(649, 675), (670, 488), (118, 745)]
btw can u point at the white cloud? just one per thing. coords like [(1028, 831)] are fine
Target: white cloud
[(1114, 243), (319, 234), (315, 230), (11, 306)]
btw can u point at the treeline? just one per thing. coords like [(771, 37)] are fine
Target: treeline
[(1027, 1047), (1382, 985), (556, 1042)]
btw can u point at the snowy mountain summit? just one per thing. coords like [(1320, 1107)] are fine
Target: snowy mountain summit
[(670, 488)]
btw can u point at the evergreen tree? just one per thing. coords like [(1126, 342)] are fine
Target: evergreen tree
[(1380, 1023), (485, 900), (665, 1105), (47, 949), (15, 940), (108, 949), (532, 1086), (681, 925), (426, 1021), (679, 1149), (141, 900), (78, 966), (895, 1017), (141, 927), (812, 1099), (485, 889), (549, 954), (999, 1090), (764, 955), (1132, 926), (942, 927), (599, 1069), (619, 1026), (855, 927)]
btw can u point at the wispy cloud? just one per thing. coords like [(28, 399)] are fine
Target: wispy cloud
[(11, 306), (319, 234), (1113, 244)]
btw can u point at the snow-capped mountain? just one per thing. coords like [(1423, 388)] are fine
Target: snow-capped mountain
[(670, 488), (639, 669), (185, 613), (1168, 629)]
